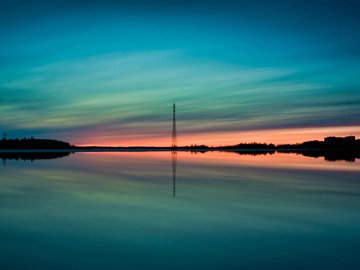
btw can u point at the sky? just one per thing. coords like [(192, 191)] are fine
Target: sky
[(107, 72)]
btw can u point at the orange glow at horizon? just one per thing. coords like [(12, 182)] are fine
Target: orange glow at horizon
[(276, 136)]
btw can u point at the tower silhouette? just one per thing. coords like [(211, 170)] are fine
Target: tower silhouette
[(173, 137)]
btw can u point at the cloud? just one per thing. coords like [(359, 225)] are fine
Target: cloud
[(130, 94)]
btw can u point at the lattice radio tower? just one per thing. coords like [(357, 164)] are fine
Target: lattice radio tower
[(173, 137)]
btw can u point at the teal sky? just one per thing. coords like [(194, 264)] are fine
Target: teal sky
[(107, 72)]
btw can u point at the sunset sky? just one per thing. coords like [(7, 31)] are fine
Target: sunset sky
[(107, 72)]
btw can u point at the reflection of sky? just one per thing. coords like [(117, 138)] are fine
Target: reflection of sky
[(106, 73), (117, 209)]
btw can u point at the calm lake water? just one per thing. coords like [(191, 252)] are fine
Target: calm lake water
[(223, 211)]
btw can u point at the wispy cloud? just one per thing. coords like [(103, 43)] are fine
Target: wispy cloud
[(129, 95)]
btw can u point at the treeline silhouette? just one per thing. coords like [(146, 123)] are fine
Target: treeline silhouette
[(242, 148), (249, 146), (346, 143), (31, 143), (332, 148)]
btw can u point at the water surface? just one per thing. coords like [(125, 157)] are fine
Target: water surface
[(162, 210)]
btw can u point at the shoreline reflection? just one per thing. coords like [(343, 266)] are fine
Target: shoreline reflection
[(31, 156)]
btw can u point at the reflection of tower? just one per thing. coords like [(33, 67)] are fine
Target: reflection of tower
[(173, 137), (174, 164)]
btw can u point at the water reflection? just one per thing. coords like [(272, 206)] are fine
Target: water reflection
[(116, 210), (328, 155), (174, 165), (32, 155)]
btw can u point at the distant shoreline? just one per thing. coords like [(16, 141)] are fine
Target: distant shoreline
[(133, 149), (165, 149), (32, 154), (332, 148)]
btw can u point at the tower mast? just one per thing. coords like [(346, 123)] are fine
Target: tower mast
[(173, 137)]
